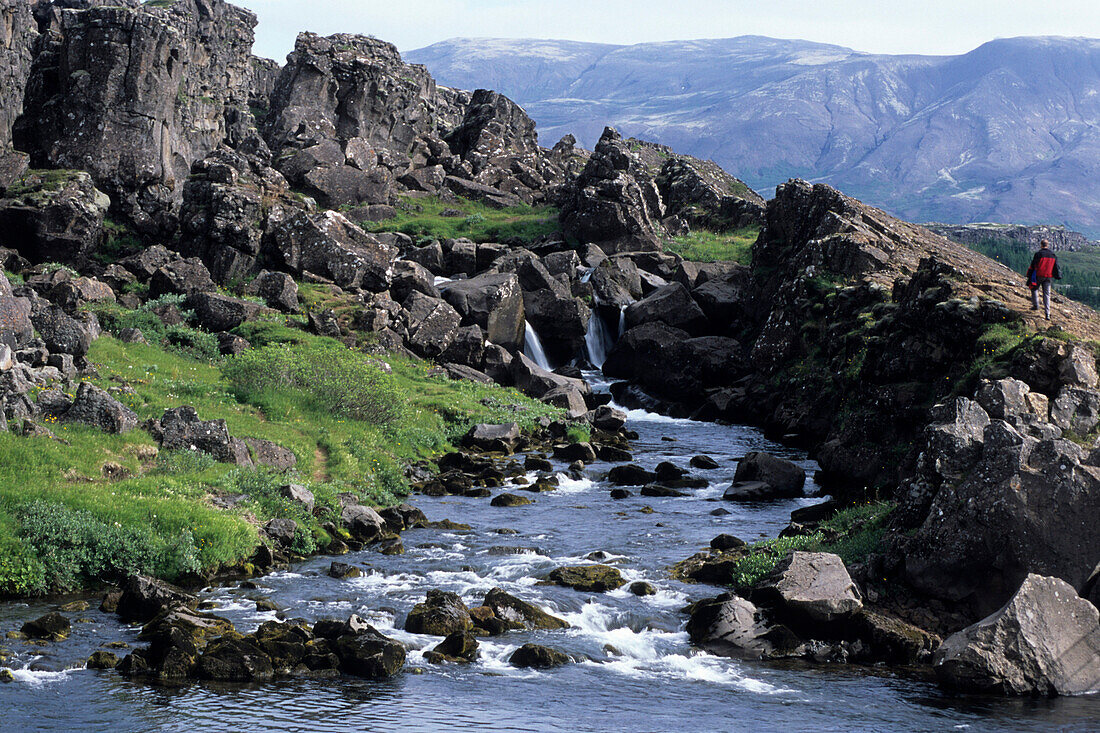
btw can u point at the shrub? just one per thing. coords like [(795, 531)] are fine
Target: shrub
[(337, 379), (74, 547)]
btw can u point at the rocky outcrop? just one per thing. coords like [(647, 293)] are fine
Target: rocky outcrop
[(135, 95), (1045, 641), (18, 33), (181, 429), (704, 195), (614, 202), (329, 245), (492, 301), (54, 216)]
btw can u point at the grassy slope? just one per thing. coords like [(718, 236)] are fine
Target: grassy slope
[(423, 218), (702, 245), (172, 497)]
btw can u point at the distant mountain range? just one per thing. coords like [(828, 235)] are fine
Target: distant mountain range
[(1009, 132)]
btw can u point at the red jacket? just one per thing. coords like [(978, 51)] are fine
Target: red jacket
[(1045, 266)]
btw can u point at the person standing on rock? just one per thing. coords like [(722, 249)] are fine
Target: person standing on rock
[(1043, 270)]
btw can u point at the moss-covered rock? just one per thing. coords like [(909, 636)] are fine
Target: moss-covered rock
[(592, 578)]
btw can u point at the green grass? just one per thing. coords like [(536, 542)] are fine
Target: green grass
[(37, 182), (860, 528), (162, 513), (702, 245), (423, 218)]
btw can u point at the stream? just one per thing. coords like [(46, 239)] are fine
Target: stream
[(637, 670)]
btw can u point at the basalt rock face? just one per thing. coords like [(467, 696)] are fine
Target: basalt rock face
[(18, 34), (999, 494), (614, 202), (135, 95), (54, 217)]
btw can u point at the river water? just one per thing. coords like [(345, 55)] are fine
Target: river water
[(637, 670)]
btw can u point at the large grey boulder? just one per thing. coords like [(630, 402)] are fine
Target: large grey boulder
[(535, 381), (671, 305), (95, 407), (810, 587), (1046, 641), (216, 312), (783, 476), (64, 334), (329, 245), (1076, 409), (492, 301), (731, 626), (364, 523), (432, 324)]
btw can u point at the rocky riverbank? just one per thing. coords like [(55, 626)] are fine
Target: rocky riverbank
[(224, 219)]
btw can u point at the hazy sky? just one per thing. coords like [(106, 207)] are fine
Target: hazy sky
[(878, 26)]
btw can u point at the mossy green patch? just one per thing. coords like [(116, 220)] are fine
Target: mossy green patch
[(703, 245), (853, 534), (424, 218)]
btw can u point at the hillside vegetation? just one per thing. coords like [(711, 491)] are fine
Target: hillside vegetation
[(89, 506)]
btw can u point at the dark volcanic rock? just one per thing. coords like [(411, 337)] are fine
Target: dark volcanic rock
[(329, 245), (135, 95), (614, 202), (94, 406), (783, 476), (519, 614), (704, 195), (144, 597), (593, 578), (537, 657), (492, 301), (1045, 641), (181, 429), (52, 627), (442, 613), (59, 218)]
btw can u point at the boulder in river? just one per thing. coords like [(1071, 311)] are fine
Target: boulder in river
[(442, 613), (783, 476), (630, 475), (597, 578), (509, 500), (461, 646), (1045, 640), (810, 588), (52, 627), (538, 657), (144, 597), (520, 614), (732, 626)]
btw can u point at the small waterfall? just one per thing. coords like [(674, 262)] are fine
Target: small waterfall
[(598, 339), (622, 322), (532, 347)]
